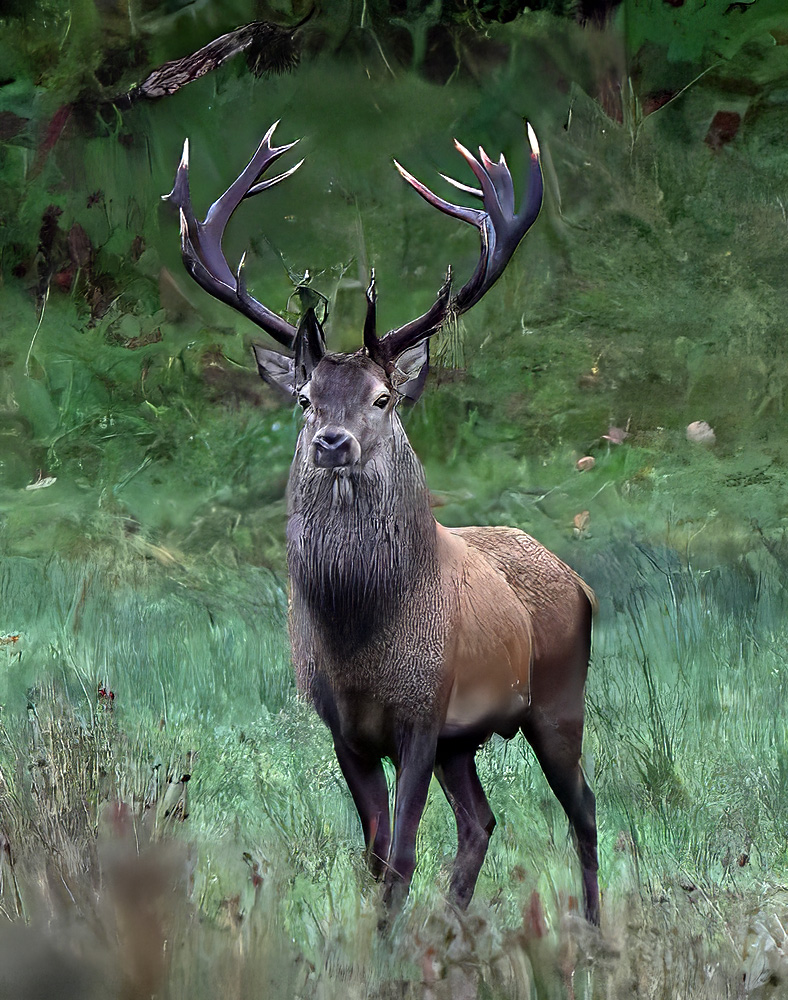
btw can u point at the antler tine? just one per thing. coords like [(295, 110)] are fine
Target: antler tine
[(458, 211), (371, 341), (462, 187), (264, 185), (201, 242), (502, 189), (500, 228), (388, 348), (244, 186)]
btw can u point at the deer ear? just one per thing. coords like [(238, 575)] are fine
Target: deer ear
[(410, 371), (276, 369)]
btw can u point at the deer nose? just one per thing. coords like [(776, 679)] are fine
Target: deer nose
[(334, 447)]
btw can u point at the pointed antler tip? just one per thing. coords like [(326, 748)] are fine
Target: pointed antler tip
[(405, 174), (240, 278), (534, 143), (278, 149), (462, 187), (183, 165)]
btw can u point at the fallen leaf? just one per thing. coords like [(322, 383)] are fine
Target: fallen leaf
[(699, 432), (615, 435), (41, 484), (581, 524)]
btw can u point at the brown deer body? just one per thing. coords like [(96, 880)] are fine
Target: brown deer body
[(413, 641)]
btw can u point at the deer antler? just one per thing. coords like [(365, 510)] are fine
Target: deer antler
[(500, 228), (201, 242)]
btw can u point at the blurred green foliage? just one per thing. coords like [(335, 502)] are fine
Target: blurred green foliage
[(653, 280)]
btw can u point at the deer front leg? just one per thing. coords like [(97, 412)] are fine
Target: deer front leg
[(367, 783), (416, 759)]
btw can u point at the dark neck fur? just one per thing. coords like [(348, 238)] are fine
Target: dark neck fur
[(359, 542)]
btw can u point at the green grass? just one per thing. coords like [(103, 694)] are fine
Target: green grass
[(685, 750)]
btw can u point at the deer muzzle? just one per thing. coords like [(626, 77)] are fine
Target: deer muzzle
[(334, 447)]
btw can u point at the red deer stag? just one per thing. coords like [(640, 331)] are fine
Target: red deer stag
[(413, 641)]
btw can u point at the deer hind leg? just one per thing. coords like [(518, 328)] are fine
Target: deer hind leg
[(456, 772), (367, 783), (557, 745)]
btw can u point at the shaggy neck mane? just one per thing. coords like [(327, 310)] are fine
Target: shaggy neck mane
[(359, 542)]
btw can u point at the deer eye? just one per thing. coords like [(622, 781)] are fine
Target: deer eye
[(382, 401), (304, 402)]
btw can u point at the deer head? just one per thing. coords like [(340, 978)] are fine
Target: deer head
[(350, 400)]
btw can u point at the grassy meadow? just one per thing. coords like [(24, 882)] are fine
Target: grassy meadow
[(172, 820)]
